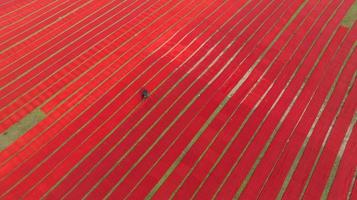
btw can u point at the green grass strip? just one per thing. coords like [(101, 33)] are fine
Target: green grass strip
[(350, 189), (351, 16), (20, 128)]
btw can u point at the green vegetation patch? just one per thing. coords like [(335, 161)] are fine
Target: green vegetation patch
[(351, 16), (20, 128)]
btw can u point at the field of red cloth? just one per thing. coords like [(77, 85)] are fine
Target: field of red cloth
[(247, 99)]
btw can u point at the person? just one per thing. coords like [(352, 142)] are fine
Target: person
[(145, 94)]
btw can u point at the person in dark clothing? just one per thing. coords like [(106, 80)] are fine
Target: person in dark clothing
[(145, 94)]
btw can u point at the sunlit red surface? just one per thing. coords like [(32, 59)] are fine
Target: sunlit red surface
[(248, 99)]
